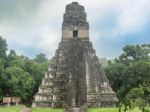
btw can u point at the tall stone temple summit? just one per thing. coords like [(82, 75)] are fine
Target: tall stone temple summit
[(75, 79)]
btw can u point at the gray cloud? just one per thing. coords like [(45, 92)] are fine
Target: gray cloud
[(15, 10), (34, 26)]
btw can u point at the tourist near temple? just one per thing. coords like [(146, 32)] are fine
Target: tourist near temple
[(75, 79)]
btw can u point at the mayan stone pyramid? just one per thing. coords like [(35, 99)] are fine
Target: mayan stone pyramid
[(75, 78)]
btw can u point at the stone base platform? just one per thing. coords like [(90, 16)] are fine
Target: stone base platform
[(48, 104), (76, 110)]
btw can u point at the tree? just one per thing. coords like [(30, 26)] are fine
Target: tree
[(18, 83), (129, 76), (40, 58), (37, 70), (114, 72), (3, 48), (11, 56), (25, 67), (19, 75), (132, 53), (136, 84), (1, 80)]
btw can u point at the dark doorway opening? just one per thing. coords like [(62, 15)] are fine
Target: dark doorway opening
[(75, 33)]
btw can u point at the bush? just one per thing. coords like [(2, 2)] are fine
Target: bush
[(146, 109)]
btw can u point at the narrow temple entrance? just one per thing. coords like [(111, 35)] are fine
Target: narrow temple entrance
[(75, 33)]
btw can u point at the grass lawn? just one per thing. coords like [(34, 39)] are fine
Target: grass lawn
[(103, 110), (11, 109), (18, 108)]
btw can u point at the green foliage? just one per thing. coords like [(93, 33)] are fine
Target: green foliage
[(146, 109), (135, 84), (3, 48), (115, 74), (133, 53), (37, 70), (40, 58), (23, 76), (19, 75), (129, 76), (18, 82)]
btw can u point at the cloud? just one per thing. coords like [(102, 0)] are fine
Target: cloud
[(31, 27), (133, 17)]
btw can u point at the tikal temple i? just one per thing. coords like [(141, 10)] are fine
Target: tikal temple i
[(75, 79)]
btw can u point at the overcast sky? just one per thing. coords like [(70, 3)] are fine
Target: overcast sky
[(34, 26)]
